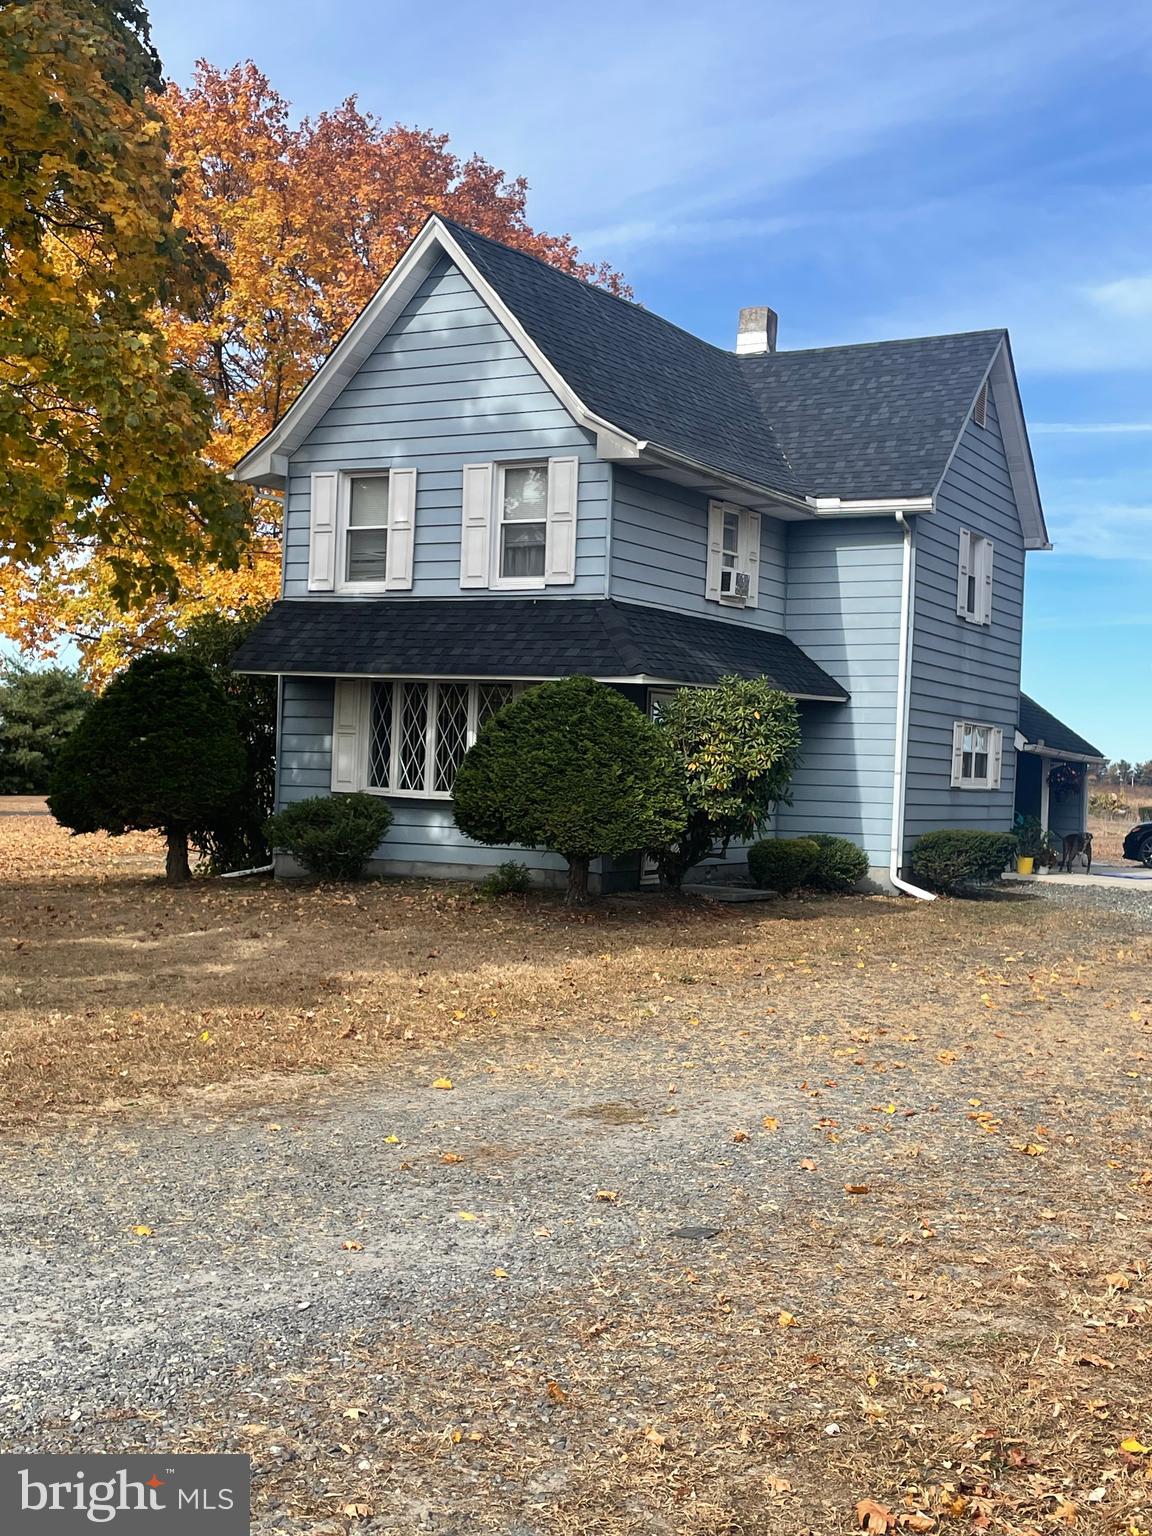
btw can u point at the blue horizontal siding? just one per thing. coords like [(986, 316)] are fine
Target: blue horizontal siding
[(660, 552), (963, 671), (843, 610)]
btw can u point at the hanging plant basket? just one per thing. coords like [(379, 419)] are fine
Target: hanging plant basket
[(1066, 779)]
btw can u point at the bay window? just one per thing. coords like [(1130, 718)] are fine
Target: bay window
[(415, 733)]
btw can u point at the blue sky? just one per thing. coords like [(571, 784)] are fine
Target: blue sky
[(868, 170)]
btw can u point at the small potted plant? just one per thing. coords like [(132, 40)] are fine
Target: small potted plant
[(1031, 841)]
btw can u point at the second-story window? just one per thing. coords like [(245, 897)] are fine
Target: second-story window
[(522, 522), (733, 555), (366, 535), (974, 578), (518, 524), (361, 530)]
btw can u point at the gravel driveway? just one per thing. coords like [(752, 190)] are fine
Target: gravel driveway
[(633, 1278)]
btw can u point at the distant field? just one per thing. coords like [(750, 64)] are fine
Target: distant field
[(1108, 831)]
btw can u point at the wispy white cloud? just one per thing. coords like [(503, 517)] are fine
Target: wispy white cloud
[(1102, 530), (1128, 297), (1088, 428)]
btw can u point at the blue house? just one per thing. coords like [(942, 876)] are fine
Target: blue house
[(502, 475)]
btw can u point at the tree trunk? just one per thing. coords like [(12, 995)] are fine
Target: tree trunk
[(176, 865), (577, 883)]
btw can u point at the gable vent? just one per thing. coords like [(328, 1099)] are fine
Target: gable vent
[(980, 409)]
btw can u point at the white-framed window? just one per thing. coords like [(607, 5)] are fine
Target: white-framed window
[(364, 532), (405, 736), (977, 753), (733, 555), (518, 524), (362, 525), (974, 578)]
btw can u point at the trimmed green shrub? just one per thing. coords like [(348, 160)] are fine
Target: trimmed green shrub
[(158, 750), (574, 767), (841, 865), (954, 860), (333, 836), (736, 746), (783, 864), (508, 879)]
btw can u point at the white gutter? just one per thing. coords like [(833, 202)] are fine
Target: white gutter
[(259, 869), (903, 688)]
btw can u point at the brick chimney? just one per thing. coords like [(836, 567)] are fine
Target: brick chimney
[(757, 333)]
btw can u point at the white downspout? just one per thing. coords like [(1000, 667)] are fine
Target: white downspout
[(903, 688)]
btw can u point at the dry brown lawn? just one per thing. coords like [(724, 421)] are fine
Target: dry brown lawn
[(950, 1316)]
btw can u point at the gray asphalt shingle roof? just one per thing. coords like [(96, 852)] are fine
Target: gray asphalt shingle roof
[(521, 637), (873, 420), (1038, 725), (878, 419)]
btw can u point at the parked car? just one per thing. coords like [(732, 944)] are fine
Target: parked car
[(1138, 843)]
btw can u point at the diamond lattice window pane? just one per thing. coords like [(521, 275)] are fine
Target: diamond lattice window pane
[(380, 737), (451, 733), (413, 727), (492, 696)]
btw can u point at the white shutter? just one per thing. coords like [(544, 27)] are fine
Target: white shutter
[(995, 757), (715, 549), (984, 598), (401, 529), (476, 525), (963, 572), (560, 536), (957, 754), (322, 533), (349, 739), (751, 539)]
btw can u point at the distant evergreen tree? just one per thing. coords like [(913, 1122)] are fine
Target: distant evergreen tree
[(39, 710)]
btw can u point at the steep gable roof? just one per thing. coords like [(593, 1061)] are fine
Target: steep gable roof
[(637, 370), (856, 424), (874, 420)]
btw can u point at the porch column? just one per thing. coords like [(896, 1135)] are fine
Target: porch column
[(1045, 765)]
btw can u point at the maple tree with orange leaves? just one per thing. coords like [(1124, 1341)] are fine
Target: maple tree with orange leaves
[(307, 220)]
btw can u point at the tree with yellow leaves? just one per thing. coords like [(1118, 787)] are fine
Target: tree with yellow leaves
[(103, 431), (304, 221)]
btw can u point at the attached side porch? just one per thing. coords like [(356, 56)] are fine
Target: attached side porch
[(1052, 766)]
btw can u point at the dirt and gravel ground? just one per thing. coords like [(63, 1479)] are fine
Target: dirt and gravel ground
[(727, 1222)]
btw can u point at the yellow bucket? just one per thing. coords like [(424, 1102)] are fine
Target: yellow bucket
[(1024, 865)]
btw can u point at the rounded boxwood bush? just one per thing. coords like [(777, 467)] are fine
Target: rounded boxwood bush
[(783, 864), (334, 836), (841, 864), (956, 859)]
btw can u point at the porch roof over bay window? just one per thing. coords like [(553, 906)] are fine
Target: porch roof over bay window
[(523, 639)]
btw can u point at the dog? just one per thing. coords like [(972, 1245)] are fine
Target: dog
[(1075, 844)]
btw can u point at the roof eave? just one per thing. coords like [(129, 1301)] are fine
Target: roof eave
[(1017, 449), (267, 462)]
